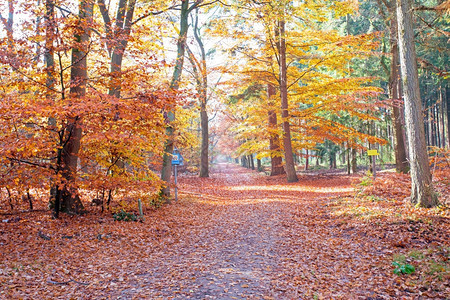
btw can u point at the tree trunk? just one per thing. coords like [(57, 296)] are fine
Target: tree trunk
[(441, 100), (437, 124), (121, 36), (422, 191), (166, 171), (447, 100), (71, 202), (348, 160), (307, 160), (55, 199), (204, 159), (203, 88), (354, 161), (274, 140), (288, 151), (401, 161), (259, 165)]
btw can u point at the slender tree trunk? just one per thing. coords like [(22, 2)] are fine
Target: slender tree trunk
[(422, 191), (348, 160), (49, 60), (426, 124), (49, 51), (166, 171), (204, 160), (354, 161), (446, 95), (274, 140), (204, 156), (401, 161), (38, 44), (288, 151), (437, 124), (307, 160), (441, 99)]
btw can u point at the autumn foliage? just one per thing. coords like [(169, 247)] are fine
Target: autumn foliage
[(325, 97), (122, 133)]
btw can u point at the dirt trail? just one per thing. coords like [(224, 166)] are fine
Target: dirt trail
[(237, 235), (239, 246)]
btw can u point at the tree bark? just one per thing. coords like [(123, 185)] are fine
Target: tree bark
[(203, 88), (49, 60), (354, 161), (307, 160), (422, 191), (401, 161), (348, 160), (166, 171), (288, 151), (252, 161), (443, 112), (447, 100), (125, 12), (274, 139), (70, 200)]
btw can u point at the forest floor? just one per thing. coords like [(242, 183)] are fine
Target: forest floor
[(239, 235)]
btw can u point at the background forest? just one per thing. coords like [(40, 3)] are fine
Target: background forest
[(274, 107), (97, 94)]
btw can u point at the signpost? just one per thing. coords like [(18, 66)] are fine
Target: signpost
[(177, 160), (373, 153)]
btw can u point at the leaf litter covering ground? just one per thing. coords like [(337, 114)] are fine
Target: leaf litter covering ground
[(237, 235)]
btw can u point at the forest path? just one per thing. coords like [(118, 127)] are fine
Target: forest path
[(234, 239), (236, 235)]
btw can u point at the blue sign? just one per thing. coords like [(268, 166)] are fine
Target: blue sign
[(177, 159)]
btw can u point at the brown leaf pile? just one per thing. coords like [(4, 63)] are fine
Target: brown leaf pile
[(237, 235)]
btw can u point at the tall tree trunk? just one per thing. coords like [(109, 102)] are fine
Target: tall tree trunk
[(166, 171), (441, 100), (401, 162), (422, 191), (71, 202), (204, 155), (288, 151), (447, 100), (274, 140), (204, 160), (437, 124), (49, 60)]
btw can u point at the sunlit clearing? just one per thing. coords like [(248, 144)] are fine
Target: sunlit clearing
[(291, 188)]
